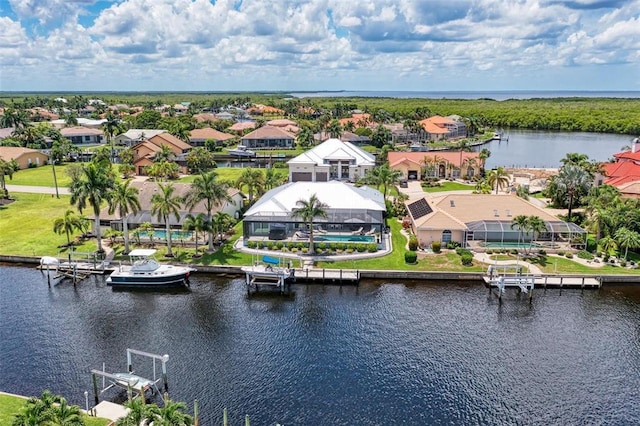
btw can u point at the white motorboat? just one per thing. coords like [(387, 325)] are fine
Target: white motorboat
[(242, 151), (146, 272)]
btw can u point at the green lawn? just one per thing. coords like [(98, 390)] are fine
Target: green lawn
[(11, 405), (26, 225), (445, 261), (41, 176), (227, 174), (224, 173), (449, 186), (563, 265)]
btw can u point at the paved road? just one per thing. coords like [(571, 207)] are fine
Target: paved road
[(37, 189)]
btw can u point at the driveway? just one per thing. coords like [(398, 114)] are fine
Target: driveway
[(62, 190), (413, 189)]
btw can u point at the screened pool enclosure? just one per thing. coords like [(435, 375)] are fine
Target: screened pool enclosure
[(497, 232)]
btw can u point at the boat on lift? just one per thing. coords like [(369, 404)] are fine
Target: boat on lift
[(241, 151), (146, 272)]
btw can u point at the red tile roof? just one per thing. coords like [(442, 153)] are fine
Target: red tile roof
[(418, 157)]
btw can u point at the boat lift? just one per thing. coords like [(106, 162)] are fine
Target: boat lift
[(130, 381), (507, 276)]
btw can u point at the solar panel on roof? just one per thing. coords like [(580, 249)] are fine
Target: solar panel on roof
[(419, 208)]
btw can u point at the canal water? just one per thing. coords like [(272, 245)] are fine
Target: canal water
[(534, 148), (412, 353)]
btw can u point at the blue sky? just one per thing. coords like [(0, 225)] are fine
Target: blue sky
[(290, 45)]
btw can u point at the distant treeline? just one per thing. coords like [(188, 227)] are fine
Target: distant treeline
[(603, 115)]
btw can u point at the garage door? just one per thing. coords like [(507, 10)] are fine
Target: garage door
[(301, 177), (322, 177)]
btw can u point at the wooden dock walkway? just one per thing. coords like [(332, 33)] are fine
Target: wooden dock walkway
[(327, 276), (561, 281)]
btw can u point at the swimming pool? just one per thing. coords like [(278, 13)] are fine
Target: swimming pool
[(345, 238), (509, 245), (161, 234)]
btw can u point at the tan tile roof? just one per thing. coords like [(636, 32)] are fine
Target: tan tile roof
[(209, 133), (8, 153), (453, 211), (205, 117), (269, 132), (238, 127), (168, 138), (396, 157), (283, 122), (146, 190), (79, 131), (474, 207)]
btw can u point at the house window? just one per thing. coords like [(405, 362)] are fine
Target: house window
[(87, 138), (446, 236)]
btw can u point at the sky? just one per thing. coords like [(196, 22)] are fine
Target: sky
[(295, 45)]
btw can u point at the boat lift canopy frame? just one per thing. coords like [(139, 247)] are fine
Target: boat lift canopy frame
[(131, 379)]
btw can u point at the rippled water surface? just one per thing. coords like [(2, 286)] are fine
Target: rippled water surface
[(380, 353)]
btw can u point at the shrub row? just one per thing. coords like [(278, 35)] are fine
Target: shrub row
[(319, 247)]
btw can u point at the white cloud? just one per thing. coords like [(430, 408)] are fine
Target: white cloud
[(199, 43)]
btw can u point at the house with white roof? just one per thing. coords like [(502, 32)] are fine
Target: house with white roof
[(331, 160), (351, 211), (132, 136)]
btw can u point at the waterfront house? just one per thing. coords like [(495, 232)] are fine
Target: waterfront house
[(176, 145), (345, 136), (146, 190), (197, 137), (472, 220), (25, 157), (268, 137), (331, 160), (351, 210), (438, 164), (624, 172), (438, 127), (133, 136), (79, 135)]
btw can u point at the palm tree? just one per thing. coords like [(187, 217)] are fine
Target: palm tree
[(498, 178), (37, 411), (67, 224), (124, 199), (536, 226), (272, 179), (628, 239), (220, 223), (207, 188), (608, 244), (572, 181), (91, 189), (172, 414), (305, 137), (199, 223), (484, 154), (139, 413), (111, 127), (63, 414), (165, 154), (383, 175), (308, 210), (253, 179), (482, 187), (334, 129), (165, 204), (521, 222), (6, 169)]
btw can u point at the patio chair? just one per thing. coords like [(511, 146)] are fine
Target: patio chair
[(319, 230), (358, 232), (370, 231)]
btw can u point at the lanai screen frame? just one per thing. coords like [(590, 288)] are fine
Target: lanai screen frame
[(556, 231)]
